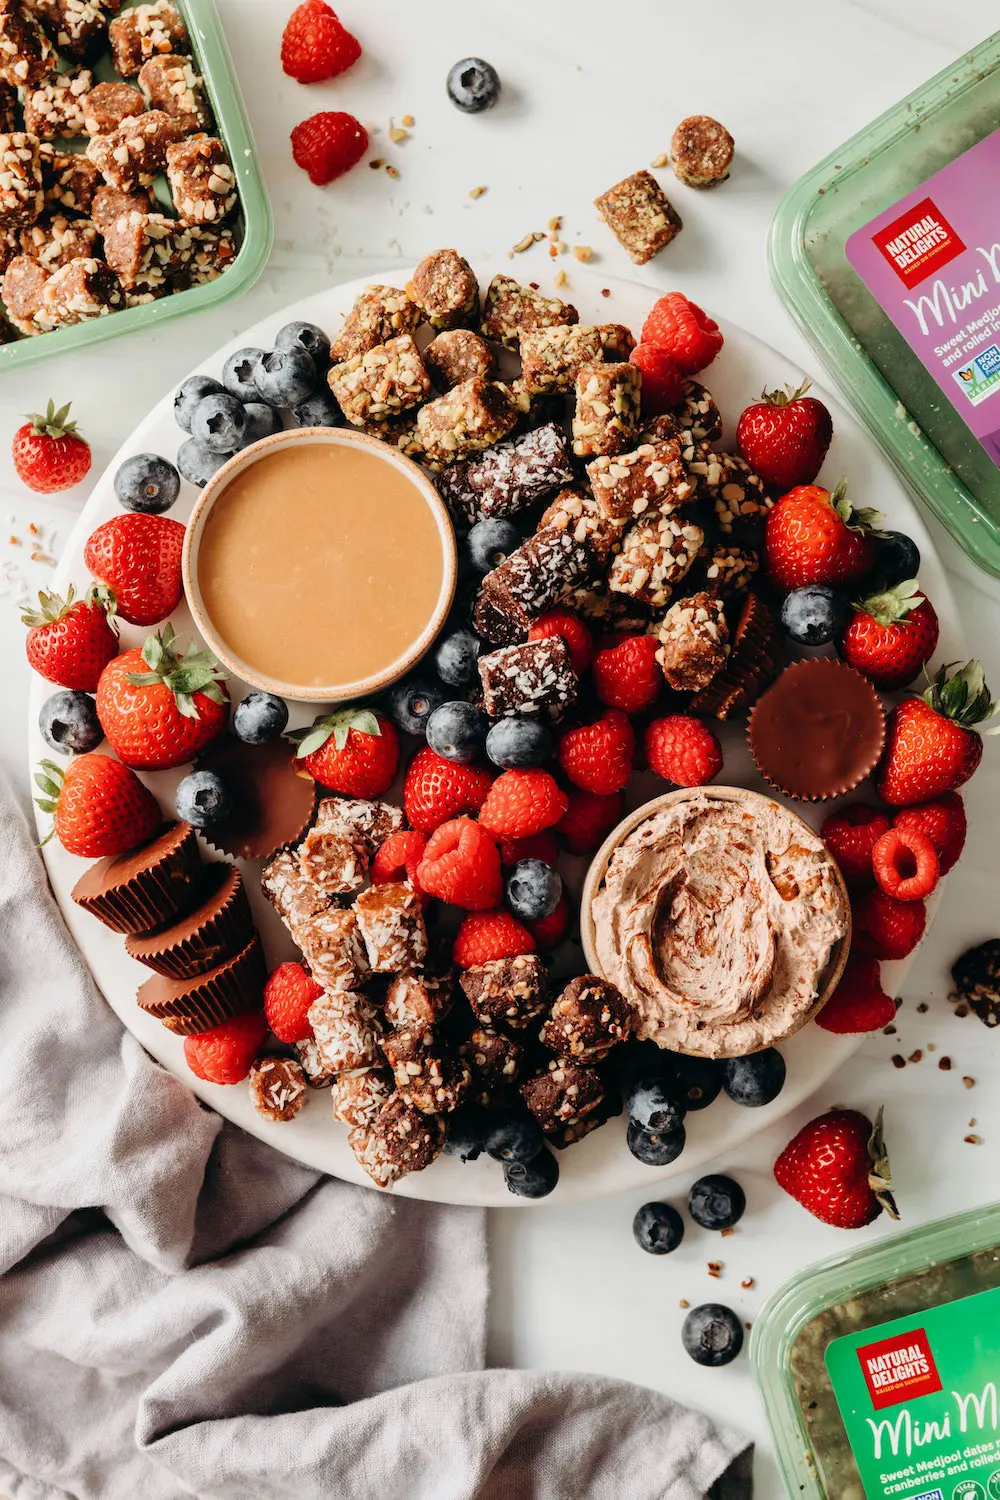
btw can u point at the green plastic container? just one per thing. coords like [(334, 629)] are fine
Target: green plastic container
[(909, 412), (252, 220), (917, 1318)]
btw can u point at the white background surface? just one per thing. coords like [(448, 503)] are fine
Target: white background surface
[(592, 93)]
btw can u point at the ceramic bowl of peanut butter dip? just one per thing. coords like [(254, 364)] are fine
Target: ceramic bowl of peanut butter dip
[(319, 564), (720, 914)]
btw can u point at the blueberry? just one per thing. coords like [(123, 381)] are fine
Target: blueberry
[(489, 542), (712, 1334), (412, 702), (896, 558), (239, 374), (815, 615), (716, 1202), (699, 1080), (653, 1106), (285, 377), (259, 718), (655, 1150), (658, 1228), (517, 743), (468, 1129), (202, 799), (533, 890), (456, 730), (190, 394), (473, 85), (69, 721), (455, 658), (532, 1179), (147, 483), (220, 423), (755, 1080), (305, 336), (318, 410), (262, 422), (198, 463), (515, 1138)]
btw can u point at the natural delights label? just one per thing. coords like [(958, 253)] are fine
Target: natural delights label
[(932, 262), (919, 1398)]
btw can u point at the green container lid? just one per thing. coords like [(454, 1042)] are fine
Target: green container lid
[(252, 221), (941, 460)]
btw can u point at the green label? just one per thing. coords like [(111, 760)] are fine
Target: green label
[(919, 1398)]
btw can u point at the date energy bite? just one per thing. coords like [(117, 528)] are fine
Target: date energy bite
[(495, 1062), (507, 993), (137, 35), (428, 1075), (76, 28), (457, 355), (378, 315), (24, 282), (417, 1000), (53, 240), (533, 578), (277, 1087), (333, 856), (694, 642), (589, 1018), (445, 288), (9, 109), (739, 497), (21, 192), (110, 203), (473, 416), (107, 105), (140, 249), (656, 553), (371, 821), (26, 54), (399, 1140), (563, 1095), (170, 83), (333, 947), (653, 476), (57, 106), (81, 289), (358, 1097), (346, 1030), (617, 342), (378, 385), (640, 216), (202, 182), (391, 922), (509, 477), (551, 357), (534, 678), (579, 512), (131, 156), (696, 419), (512, 310), (727, 569), (606, 419), (701, 151)]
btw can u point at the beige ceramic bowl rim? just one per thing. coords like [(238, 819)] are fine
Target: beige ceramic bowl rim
[(331, 692), (599, 865)]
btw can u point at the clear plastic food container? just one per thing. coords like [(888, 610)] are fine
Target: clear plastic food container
[(252, 220), (888, 256), (880, 1368)]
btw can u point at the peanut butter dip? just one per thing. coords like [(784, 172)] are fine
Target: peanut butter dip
[(718, 917), (320, 564)]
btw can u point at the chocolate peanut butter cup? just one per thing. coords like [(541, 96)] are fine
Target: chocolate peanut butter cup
[(752, 663), (186, 1006), (272, 804), (818, 731), (142, 891), (216, 930)]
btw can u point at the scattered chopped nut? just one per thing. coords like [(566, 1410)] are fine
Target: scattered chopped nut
[(715, 1268), (555, 224), (409, 120), (888, 1031), (391, 171), (932, 1046), (525, 244), (897, 1061), (944, 1063), (973, 1122), (582, 252), (661, 160), (14, 541), (916, 1056), (477, 192), (973, 1140), (961, 1010), (970, 1083), (923, 1008), (396, 135), (747, 1283), (684, 1302), (562, 279), (605, 291), (377, 164)]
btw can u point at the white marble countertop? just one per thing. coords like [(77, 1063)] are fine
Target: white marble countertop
[(589, 96)]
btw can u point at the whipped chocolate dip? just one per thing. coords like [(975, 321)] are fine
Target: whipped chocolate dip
[(721, 917)]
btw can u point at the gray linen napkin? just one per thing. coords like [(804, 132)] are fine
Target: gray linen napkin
[(184, 1311)]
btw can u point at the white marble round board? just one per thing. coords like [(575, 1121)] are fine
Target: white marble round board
[(601, 1163)]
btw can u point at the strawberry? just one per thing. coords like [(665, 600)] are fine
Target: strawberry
[(837, 1168), (139, 558), (49, 454), (815, 537), (661, 379), (490, 934), (891, 635), (588, 819), (548, 932), (683, 750), (930, 744), (850, 835), (226, 1053), (70, 641), (944, 823), (521, 803), (288, 994), (573, 631), (353, 751), (598, 757), (885, 927), (158, 707), (627, 675), (436, 790), (784, 437), (328, 144), (859, 1003), (100, 807), (315, 46), (461, 865)]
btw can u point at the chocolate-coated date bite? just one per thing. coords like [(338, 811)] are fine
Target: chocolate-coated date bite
[(391, 921), (640, 216), (507, 993), (428, 1074), (398, 1140), (418, 1000), (277, 1087), (697, 417), (536, 677), (506, 479), (589, 1018), (563, 1095), (495, 1061), (530, 581), (606, 419)]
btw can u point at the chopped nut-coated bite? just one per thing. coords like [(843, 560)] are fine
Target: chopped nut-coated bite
[(58, 106), (21, 191), (53, 240), (378, 315), (398, 1140), (512, 310), (428, 1075), (457, 355), (171, 83), (139, 34), (581, 513), (551, 357), (140, 249), (727, 569), (606, 420), (589, 1018), (652, 477), (110, 204), (694, 642), (696, 420), (24, 283), (418, 999), (656, 553), (473, 416), (563, 1095), (76, 28), (202, 182), (387, 380), (640, 216), (701, 151), (495, 1061), (133, 154), (26, 55), (445, 288), (107, 105), (507, 993), (81, 289)]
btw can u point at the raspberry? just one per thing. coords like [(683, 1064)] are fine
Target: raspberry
[(436, 790), (859, 1003), (598, 757), (944, 823), (573, 631), (461, 865), (851, 835), (682, 750), (541, 846), (398, 857), (353, 752), (905, 864), (522, 803), (548, 932), (328, 144), (315, 45), (490, 934), (688, 335), (627, 675), (885, 927), (288, 994), (661, 379), (226, 1053), (588, 819)]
